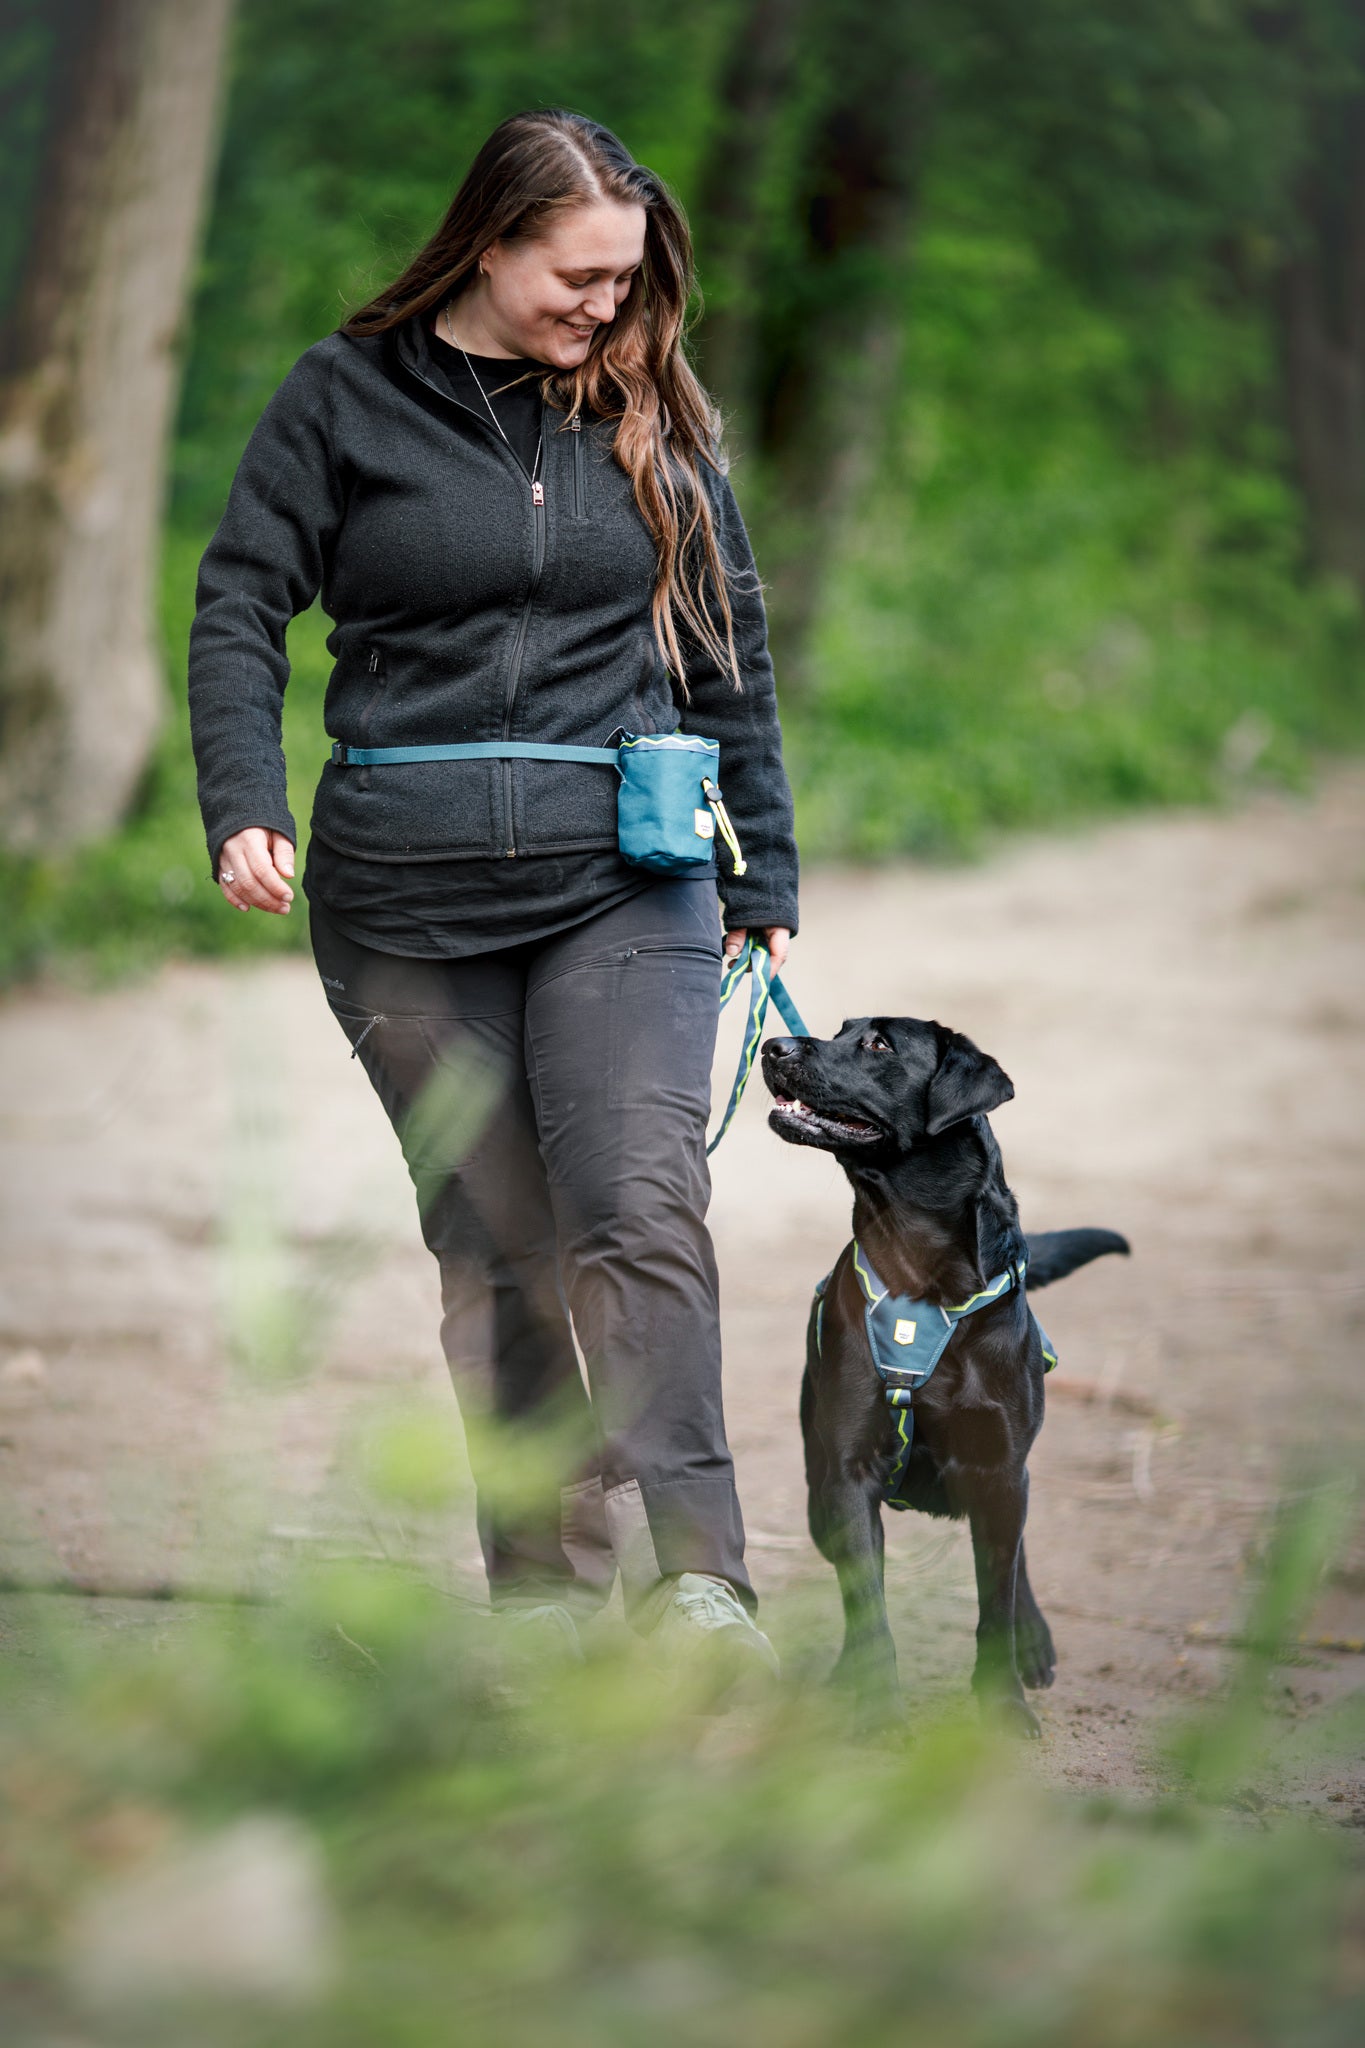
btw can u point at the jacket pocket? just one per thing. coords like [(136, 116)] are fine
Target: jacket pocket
[(374, 668)]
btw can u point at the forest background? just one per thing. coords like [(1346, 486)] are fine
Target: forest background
[(1040, 332)]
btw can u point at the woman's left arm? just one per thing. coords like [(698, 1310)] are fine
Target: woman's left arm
[(753, 779)]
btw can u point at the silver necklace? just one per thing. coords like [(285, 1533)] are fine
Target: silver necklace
[(537, 489)]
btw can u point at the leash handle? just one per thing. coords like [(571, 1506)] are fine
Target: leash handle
[(764, 987)]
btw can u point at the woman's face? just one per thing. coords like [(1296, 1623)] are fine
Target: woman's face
[(545, 296)]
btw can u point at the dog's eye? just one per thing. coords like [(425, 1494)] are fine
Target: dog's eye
[(874, 1042)]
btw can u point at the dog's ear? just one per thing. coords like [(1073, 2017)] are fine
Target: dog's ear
[(967, 1083)]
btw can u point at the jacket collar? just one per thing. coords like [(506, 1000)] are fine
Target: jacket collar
[(412, 348)]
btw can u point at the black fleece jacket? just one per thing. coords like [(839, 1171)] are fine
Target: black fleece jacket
[(462, 610)]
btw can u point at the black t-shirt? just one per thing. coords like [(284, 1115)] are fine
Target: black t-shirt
[(510, 391), (450, 909)]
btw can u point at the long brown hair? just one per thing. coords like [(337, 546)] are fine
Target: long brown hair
[(533, 168)]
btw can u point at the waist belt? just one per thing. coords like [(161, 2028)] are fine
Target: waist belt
[(668, 804), (907, 1337), (470, 750), (754, 960)]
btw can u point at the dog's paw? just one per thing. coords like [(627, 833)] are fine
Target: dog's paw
[(1013, 1716), (872, 1689), (1033, 1653)]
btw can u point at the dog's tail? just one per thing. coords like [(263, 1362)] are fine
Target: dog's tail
[(1052, 1254)]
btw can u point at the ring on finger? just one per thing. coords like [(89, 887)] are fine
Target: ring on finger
[(226, 875)]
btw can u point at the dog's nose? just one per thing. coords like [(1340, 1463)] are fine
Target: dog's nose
[(782, 1048)]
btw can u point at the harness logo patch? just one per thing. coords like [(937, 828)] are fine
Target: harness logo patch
[(703, 824), (904, 1332)]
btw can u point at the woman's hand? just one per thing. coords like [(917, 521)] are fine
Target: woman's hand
[(776, 937), (255, 868)]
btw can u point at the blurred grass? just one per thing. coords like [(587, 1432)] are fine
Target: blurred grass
[(509, 1853), (362, 1814)]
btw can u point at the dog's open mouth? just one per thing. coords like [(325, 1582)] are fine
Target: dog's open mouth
[(799, 1120)]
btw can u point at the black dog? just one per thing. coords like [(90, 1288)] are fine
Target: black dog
[(902, 1105)]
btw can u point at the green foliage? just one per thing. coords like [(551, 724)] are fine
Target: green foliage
[(363, 1812), (349, 130), (30, 34), (513, 1850), (1056, 602), (1075, 580), (120, 906)]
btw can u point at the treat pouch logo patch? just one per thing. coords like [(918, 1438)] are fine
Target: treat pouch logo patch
[(904, 1332), (703, 824)]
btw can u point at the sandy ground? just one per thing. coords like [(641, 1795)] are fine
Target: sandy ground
[(1179, 1002)]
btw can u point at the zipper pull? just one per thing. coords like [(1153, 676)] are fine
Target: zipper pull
[(374, 661), (575, 425), (537, 494)]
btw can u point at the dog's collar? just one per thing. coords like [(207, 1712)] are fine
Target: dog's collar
[(907, 1337)]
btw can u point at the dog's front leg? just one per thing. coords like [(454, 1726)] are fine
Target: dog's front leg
[(846, 1523), (1033, 1648), (996, 1503)]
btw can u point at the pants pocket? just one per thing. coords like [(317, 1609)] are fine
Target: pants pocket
[(662, 1033)]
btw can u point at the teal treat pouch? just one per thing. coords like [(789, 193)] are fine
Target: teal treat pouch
[(669, 807)]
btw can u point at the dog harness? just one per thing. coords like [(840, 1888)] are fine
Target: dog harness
[(907, 1338)]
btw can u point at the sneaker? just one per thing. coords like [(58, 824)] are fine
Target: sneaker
[(544, 1631), (704, 1622)]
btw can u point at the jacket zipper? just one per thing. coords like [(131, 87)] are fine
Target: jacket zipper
[(537, 568), (518, 648), (576, 428)]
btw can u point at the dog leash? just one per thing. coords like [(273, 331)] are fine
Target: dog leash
[(764, 987)]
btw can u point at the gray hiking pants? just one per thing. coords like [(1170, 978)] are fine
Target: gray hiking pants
[(551, 1100)]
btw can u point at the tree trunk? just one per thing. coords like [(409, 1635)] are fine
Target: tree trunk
[(1322, 310), (729, 219), (88, 377), (833, 371)]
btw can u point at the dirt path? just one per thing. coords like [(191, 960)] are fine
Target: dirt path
[(1179, 1002)]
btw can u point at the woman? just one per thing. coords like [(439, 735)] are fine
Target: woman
[(506, 483)]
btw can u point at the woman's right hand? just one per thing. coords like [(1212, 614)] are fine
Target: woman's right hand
[(255, 868)]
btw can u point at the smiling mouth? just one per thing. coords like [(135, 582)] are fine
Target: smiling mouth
[(790, 1115)]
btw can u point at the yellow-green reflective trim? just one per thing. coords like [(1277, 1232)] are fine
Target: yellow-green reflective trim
[(766, 985), (865, 1277), (684, 743), (996, 1288), (760, 975), (738, 967), (904, 1417)]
